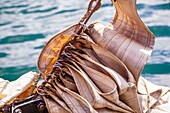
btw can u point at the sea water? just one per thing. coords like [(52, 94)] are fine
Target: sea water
[(26, 26)]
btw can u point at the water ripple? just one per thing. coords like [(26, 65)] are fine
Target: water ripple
[(3, 55), (11, 7), (5, 23), (160, 31), (20, 38), (58, 12), (165, 6), (26, 11)]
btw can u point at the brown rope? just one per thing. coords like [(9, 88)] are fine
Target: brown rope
[(89, 12)]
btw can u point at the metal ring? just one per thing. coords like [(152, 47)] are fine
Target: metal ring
[(39, 92), (84, 26), (67, 54), (60, 60), (70, 46), (58, 67)]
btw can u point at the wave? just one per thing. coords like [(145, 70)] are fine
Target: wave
[(20, 38), (159, 79), (161, 51)]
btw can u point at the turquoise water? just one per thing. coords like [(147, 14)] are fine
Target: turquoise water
[(26, 25)]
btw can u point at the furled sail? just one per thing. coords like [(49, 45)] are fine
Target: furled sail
[(126, 36)]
